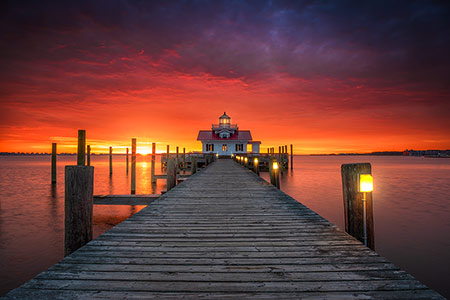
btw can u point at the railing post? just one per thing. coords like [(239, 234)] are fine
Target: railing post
[(133, 166), (153, 179), (171, 174), (53, 162), (81, 158), (354, 204)]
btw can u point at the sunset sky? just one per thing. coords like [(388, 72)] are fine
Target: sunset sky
[(326, 76)]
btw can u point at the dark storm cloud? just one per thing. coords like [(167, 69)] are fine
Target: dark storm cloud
[(377, 43)]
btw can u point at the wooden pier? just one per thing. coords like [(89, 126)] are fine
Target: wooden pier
[(224, 233)]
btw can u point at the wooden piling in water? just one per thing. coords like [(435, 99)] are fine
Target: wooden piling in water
[(153, 179), (110, 161), (133, 166), (292, 157), (88, 155), (127, 160), (171, 173), (79, 186), (53, 169), (353, 203), (81, 158), (168, 152)]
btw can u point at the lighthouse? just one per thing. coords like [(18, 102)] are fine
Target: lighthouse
[(226, 139)]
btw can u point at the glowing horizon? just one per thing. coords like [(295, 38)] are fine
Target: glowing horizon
[(307, 74)]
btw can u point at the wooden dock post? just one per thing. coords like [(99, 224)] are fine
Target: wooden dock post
[(79, 186), (193, 165), (171, 174), (81, 158), (353, 203), (168, 152), (88, 155), (184, 158), (177, 161), (133, 166), (53, 163), (292, 157), (153, 179), (127, 160), (110, 161)]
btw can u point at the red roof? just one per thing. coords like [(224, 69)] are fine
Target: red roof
[(244, 135)]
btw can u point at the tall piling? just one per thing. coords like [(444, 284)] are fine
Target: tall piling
[(127, 160), (354, 203), (53, 163), (88, 155), (81, 153), (292, 157), (133, 166), (110, 161)]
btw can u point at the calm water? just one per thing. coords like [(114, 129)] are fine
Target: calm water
[(411, 209)]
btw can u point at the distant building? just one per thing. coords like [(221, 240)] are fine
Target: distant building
[(226, 138)]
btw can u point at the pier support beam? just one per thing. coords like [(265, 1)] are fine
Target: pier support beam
[(171, 173), (53, 162), (79, 186), (354, 205), (133, 166)]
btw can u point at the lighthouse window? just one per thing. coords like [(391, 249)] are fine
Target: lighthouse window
[(224, 147), (209, 147), (239, 147)]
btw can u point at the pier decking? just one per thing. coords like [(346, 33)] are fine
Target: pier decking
[(224, 233)]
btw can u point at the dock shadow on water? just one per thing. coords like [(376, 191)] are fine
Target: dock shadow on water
[(32, 210)]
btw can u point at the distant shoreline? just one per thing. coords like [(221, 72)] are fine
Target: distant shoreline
[(416, 153)]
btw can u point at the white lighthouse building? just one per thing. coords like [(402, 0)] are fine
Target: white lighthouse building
[(226, 139)]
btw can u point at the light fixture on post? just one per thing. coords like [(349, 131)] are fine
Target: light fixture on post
[(365, 186), (256, 165), (246, 161), (276, 174)]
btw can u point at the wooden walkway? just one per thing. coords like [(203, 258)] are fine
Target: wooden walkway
[(224, 234)]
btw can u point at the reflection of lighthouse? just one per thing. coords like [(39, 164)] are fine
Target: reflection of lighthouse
[(226, 138)]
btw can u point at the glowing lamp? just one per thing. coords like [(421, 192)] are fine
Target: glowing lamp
[(246, 160), (365, 183), (275, 165), (255, 161)]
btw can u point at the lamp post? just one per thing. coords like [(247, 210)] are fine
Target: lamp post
[(365, 186), (246, 161), (256, 165)]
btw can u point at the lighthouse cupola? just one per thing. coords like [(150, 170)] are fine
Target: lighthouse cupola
[(224, 121)]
